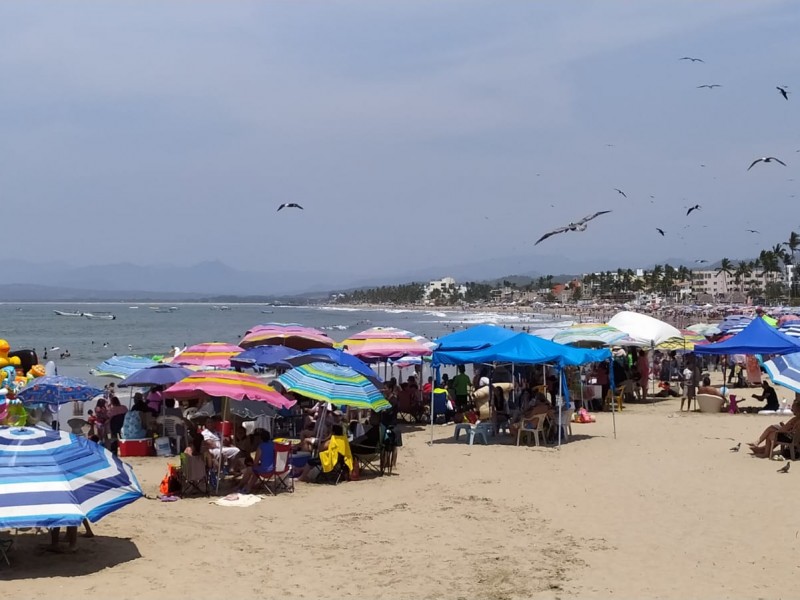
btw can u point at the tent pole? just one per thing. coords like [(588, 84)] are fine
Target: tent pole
[(612, 388), (433, 391), (560, 400)]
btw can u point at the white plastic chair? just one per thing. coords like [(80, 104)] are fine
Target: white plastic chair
[(565, 423), (532, 427), (173, 428)]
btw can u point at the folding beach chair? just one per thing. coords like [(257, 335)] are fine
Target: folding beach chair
[(194, 476), (440, 406), (5, 548), (371, 459), (281, 475), (339, 473)]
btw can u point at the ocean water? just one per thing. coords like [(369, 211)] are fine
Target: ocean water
[(145, 332)]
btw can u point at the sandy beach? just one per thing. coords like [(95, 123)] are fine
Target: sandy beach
[(663, 511)]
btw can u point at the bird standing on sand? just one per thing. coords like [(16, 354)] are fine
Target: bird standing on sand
[(785, 469), (659, 230), (289, 205), (710, 86), (692, 59), (578, 226), (621, 192), (765, 159), (695, 207), (784, 92), (736, 447)]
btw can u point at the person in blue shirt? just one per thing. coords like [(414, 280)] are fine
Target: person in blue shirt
[(264, 462)]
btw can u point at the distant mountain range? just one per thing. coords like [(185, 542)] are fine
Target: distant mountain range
[(213, 280)]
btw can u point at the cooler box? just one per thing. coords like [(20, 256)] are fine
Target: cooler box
[(299, 460), (136, 447), (226, 428)]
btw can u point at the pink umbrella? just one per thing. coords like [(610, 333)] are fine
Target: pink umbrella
[(290, 335), (228, 384), (216, 355), (380, 343)]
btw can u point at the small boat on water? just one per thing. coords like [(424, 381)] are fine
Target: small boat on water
[(65, 313), (100, 316), (266, 312)]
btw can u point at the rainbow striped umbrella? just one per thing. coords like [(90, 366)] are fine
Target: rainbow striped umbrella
[(214, 355), (290, 335), (381, 343), (686, 341), (228, 384), (336, 384)]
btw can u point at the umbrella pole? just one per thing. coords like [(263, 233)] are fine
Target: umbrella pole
[(433, 390), (612, 389), (560, 400), (653, 368), (221, 445)]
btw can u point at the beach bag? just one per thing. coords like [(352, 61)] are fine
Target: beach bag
[(171, 482)]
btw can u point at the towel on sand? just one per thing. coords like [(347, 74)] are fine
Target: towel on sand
[(241, 500)]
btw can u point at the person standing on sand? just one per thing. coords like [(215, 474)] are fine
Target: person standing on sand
[(461, 384)]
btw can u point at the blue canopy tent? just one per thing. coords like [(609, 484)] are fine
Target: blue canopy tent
[(524, 348), (757, 338), (474, 338)]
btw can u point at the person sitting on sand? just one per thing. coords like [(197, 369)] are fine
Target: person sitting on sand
[(707, 388), (770, 395), (782, 432)]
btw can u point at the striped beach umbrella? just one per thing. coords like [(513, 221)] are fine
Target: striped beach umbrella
[(785, 370), (591, 334), (122, 366), (291, 335), (212, 355), (57, 390), (228, 384), (686, 341), (336, 384), (56, 479), (382, 343)]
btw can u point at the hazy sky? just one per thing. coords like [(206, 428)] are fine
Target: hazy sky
[(170, 132)]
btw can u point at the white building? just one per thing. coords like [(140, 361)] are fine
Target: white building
[(447, 287)]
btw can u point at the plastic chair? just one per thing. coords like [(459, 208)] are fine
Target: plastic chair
[(565, 423), (440, 406), (173, 428), (77, 426), (610, 397), (281, 474), (532, 427)]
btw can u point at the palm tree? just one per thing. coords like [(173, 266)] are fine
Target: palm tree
[(793, 245), (726, 268), (743, 270)]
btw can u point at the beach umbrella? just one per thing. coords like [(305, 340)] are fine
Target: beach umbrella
[(291, 335), (336, 357), (685, 341), (591, 334), (159, 374), (228, 384), (787, 319), (56, 479), (643, 328), (785, 370), (382, 343), (246, 409), (791, 328), (212, 355), (122, 366), (737, 322), (264, 357), (52, 389), (704, 329), (336, 384)]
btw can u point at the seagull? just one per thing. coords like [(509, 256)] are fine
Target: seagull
[(783, 91), (752, 231), (736, 447), (695, 207), (765, 159), (710, 86), (621, 192), (579, 226), (659, 230), (289, 205), (785, 469), (701, 261), (692, 59)]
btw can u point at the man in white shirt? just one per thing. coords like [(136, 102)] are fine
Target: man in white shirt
[(214, 443)]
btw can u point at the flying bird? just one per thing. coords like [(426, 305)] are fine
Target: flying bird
[(765, 159), (624, 195), (784, 92), (785, 469), (692, 59), (701, 261), (752, 231), (659, 230), (695, 207), (578, 226), (710, 86), (289, 205), (736, 447)]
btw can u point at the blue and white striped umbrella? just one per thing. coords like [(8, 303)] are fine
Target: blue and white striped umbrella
[(122, 366), (336, 384), (785, 370), (57, 390), (56, 479), (792, 329)]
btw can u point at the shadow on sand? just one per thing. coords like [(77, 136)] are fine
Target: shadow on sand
[(31, 560)]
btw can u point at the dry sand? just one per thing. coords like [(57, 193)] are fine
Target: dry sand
[(663, 511)]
